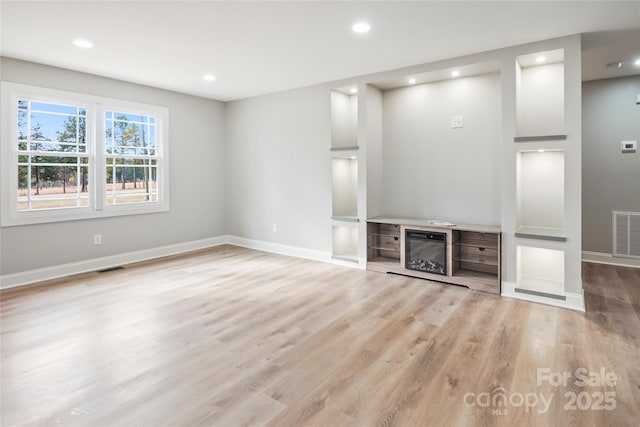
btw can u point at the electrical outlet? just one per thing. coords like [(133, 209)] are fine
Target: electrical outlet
[(456, 122), (275, 227), (97, 239)]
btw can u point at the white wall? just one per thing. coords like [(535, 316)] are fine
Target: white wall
[(373, 149), (196, 144), (280, 168), (433, 171)]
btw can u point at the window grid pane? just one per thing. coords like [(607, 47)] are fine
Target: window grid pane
[(131, 165), (53, 168)]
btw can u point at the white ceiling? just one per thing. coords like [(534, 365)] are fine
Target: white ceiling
[(600, 49), (255, 48)]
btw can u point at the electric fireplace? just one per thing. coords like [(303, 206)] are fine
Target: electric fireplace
[(426, 251)]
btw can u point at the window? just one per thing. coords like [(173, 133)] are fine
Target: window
[(131, 162), (69, 156), (52, 156)]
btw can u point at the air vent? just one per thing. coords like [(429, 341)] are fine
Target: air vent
[(626, 234)]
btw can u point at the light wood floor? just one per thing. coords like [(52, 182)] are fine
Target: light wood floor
[(234, 337)]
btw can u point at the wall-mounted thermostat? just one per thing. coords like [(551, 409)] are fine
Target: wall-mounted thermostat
[(629, 146)]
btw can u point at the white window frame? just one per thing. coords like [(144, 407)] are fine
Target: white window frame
[(95, 139)]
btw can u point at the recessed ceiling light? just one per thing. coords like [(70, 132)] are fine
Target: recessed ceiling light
[(614, 64), (412, 81), (541, 59), (353, 90), (361, 27), (637, 62), (541, 150), (208, 77), (82, 43), (455, 73)]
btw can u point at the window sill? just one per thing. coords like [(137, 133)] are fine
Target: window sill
[(77, 214)]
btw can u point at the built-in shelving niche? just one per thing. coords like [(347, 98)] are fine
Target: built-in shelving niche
[(345, 243), (540, 194), (344, 119), (540, 96), (344, 175), (540, 272)]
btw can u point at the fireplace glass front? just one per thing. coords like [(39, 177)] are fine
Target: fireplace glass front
[(426, 251)]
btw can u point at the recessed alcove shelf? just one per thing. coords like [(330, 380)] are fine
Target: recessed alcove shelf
[(344, 174), (540, 195), (541, 234), (349, 148), (540, 96), (540, 272), (346, 218), (344, 119), (345, 243), (539, 138)]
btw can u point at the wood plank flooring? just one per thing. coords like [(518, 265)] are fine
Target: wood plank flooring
[(236, 337)]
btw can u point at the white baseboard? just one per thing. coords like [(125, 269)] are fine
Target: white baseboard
[(573, 300), (604, 258), (48, 273), (55, 272), (293, 251)]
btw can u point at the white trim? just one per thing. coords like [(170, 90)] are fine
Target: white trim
[(48, 273), (591, 253), (293, 251), (359, 263), (573, 301), (55, 272), (609, 259)]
